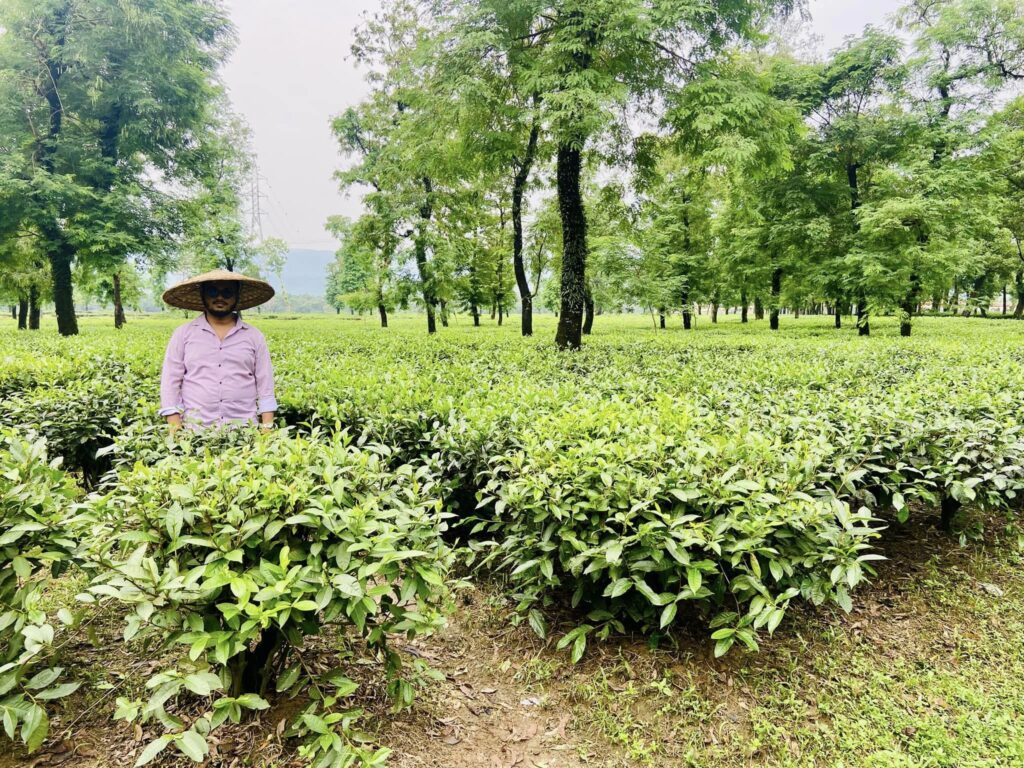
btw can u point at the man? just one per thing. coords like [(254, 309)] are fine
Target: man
[(217, 368)]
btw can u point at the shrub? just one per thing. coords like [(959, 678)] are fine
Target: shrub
[(78, 419), (230, 561), (636, 515), (35, 496)]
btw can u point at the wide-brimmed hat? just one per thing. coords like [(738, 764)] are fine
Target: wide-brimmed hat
[(252, 290)]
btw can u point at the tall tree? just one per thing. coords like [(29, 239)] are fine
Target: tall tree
[(112, 96)]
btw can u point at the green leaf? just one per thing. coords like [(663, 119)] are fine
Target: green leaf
[(722, 646), (537, 623), (547, 569), (613, 554), (288, 677), (693, 579), (202, 683), (35, 728), (686, 494), (22, 567), (618, 588), (523, 567), (252, 701), (153, 749), (65, 689), (192, 745), (668, 614), (44, 678), (579, 646)]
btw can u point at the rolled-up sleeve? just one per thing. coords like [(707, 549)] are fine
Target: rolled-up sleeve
[(172, 375), (265, 400)]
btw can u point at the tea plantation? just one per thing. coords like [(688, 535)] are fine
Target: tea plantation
[(727, 489)]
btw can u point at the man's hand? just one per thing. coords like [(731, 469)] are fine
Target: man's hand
[(174, 422), (267, 421)]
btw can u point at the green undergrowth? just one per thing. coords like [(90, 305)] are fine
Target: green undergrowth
[(927, 674), (653, 482)]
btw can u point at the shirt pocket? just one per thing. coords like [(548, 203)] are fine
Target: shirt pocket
[(198, 356), (240, 358)]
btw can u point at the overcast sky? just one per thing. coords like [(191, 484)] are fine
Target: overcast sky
[(291, 72)]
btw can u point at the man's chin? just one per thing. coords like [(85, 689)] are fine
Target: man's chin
[(220, 313)]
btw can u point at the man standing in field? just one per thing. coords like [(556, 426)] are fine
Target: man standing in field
[(217, 368)]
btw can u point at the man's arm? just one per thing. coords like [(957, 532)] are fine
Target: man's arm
[(266, 403), (171, 376)]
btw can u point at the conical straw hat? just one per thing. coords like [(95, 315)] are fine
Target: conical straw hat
[(252, 293)]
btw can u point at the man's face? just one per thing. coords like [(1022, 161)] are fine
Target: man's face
[(220, 297)]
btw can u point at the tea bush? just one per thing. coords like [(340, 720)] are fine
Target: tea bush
[(229, 561), (35, 499), (649, 479)]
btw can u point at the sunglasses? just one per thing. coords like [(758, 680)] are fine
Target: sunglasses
[(212, 292)]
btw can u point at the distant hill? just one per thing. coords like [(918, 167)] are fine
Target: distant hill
[(305, 272)]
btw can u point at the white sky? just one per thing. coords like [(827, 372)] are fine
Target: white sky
[(291, 72)]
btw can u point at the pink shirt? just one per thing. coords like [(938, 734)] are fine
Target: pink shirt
[(213, 381)]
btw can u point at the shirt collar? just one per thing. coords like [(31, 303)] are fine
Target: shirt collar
[(203, 323)]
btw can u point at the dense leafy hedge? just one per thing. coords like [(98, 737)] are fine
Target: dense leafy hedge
[(635, 517), (35, 499), (230, 560), (646, 480)]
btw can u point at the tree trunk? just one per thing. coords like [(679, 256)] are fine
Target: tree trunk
[(714, 312), (22, 313), (908, 305), (863, 319), (501, 313), (839, 314), (258, 667), (1018, 286), (743, 303), (687, 314), (949, 508), (60, 256), (518, 188), (475, 311), (574, 248), (382, 310), (773, 318), (33, 308), (59, 252), (119, 320), (758, 308), (588, 313), (661, 318), (444, 312), (426, 211)]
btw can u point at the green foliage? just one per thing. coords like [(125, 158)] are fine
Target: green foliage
[(635, 523), (100, 151), (232, 559), (650, 481), (35, 497)]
